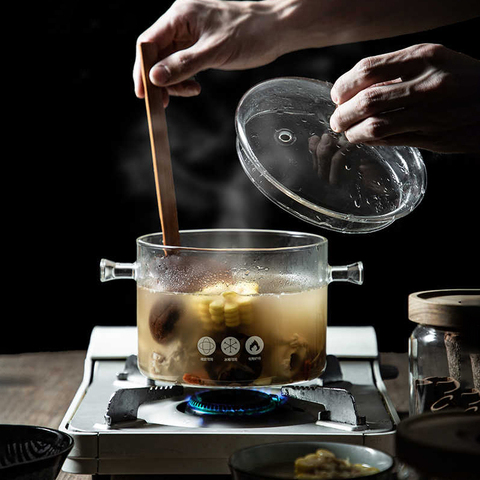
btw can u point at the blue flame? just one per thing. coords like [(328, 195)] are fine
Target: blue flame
[(266, 403)]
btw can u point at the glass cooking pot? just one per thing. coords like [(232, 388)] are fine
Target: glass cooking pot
[(232, 307)]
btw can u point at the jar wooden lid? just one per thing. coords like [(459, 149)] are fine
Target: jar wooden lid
[(456, 308)]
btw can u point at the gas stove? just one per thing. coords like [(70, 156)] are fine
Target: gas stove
[(124, 424)]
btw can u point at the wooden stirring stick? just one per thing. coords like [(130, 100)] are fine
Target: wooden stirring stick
[(162, 164)]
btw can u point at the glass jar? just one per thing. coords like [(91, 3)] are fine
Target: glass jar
[(444, 351), (438, 446)]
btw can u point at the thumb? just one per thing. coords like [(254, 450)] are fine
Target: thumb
[(178, 67)]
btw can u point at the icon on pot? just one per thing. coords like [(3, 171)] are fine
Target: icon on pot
[(230, 346), (206, 345), (254, 345)]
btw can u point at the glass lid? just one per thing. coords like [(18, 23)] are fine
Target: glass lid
[(289, 152)]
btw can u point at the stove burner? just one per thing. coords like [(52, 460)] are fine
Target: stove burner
[(232, 402)]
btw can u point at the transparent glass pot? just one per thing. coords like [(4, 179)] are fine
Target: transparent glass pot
[(232, 307)]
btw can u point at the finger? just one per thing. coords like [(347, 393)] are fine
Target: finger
[(337, 169), (166, 97), (370, 102), (324, 152), (137, 79), (137, 67), (457, 140), (313, 142), (167, 35), (328, 157), (374, 70), (411, 139), (376, 128), (182, 88), (188, 88), (180, 66)]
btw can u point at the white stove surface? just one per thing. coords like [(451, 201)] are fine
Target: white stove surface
[(164, 440)]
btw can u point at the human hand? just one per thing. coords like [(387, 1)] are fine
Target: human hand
[(195, 35), (426, 96), (328, 157), (348, 178)]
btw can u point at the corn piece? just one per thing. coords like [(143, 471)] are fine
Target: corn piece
[(232, 311), (203, 309), (230, 308), (205, 318), (243, 301), (204, 299), (229, 294), (232, 323), (232, 319), (202, 303), (246, 310), (216, 306)]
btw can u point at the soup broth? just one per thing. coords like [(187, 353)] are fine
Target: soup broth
[(231, 335)]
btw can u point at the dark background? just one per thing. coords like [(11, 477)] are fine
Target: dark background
[(83, 186)]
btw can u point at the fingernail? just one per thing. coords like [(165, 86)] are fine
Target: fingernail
[(193, 90), (334, 97), (334, 125), (161, 74)]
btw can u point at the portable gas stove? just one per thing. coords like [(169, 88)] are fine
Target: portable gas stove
[(124, 424)]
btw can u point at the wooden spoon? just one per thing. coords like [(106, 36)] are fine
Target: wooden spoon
[(162, 164)]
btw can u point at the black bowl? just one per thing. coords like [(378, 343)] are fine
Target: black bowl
[(276, 460), (32, 453)]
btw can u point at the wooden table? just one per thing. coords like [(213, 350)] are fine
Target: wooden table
[(37, 388)]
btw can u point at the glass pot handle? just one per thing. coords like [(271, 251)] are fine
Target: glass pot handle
[(352, 273), (113, 270)]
